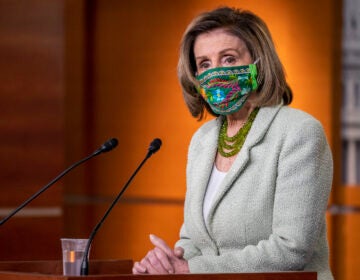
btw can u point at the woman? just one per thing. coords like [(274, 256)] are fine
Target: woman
[(260, 174)]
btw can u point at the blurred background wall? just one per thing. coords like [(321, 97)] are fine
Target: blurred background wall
[(32, 131), (76, 73)]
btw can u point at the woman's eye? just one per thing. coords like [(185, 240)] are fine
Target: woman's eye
[(229, 60), (204, 65)]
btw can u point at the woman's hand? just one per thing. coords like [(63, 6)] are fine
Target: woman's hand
[(162, 259)]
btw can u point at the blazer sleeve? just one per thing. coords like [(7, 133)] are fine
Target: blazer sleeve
[(303, 185), (190, 250)]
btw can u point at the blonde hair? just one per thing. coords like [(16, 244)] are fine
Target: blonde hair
[(273, 88)]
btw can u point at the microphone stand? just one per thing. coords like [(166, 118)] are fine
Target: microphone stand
[(3, 221), (107, 146), (85, 262)]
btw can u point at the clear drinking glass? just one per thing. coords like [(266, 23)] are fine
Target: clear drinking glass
[(73, 252)]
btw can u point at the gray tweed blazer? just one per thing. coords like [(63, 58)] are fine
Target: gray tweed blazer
[(269, 214)]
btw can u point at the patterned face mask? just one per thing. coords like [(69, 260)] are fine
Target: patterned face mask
[(226, 89)]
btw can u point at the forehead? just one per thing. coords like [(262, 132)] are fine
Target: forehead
[(215, 41)]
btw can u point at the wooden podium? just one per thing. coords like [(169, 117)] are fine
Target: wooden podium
[(121, 270)]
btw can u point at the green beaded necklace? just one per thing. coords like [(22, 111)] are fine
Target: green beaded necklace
[(233, 144)]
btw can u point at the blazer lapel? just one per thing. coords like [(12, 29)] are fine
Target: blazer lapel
[(258, 130)]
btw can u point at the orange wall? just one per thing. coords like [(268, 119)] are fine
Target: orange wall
[(131, 92), (75, 73), (110, 71), (136, 96)]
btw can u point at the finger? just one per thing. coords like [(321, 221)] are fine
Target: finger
[(155, 262), (138, 268), (149, 268), (158, 242), (179, 252), (163, 258)]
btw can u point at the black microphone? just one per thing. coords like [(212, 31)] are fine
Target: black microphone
[(153, 148), (107, 146)]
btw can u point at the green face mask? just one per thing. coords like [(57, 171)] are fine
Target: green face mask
[(226, 89)]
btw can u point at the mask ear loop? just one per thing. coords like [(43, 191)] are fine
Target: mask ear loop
[(256, 61)]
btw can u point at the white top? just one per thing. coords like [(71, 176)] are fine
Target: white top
[(214, 183)]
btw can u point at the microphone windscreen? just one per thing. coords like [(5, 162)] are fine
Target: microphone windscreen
[(109, 145), (155, 145)]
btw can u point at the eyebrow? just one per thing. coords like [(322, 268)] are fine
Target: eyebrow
[(221, 52), (229, 49), (200, 57)]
